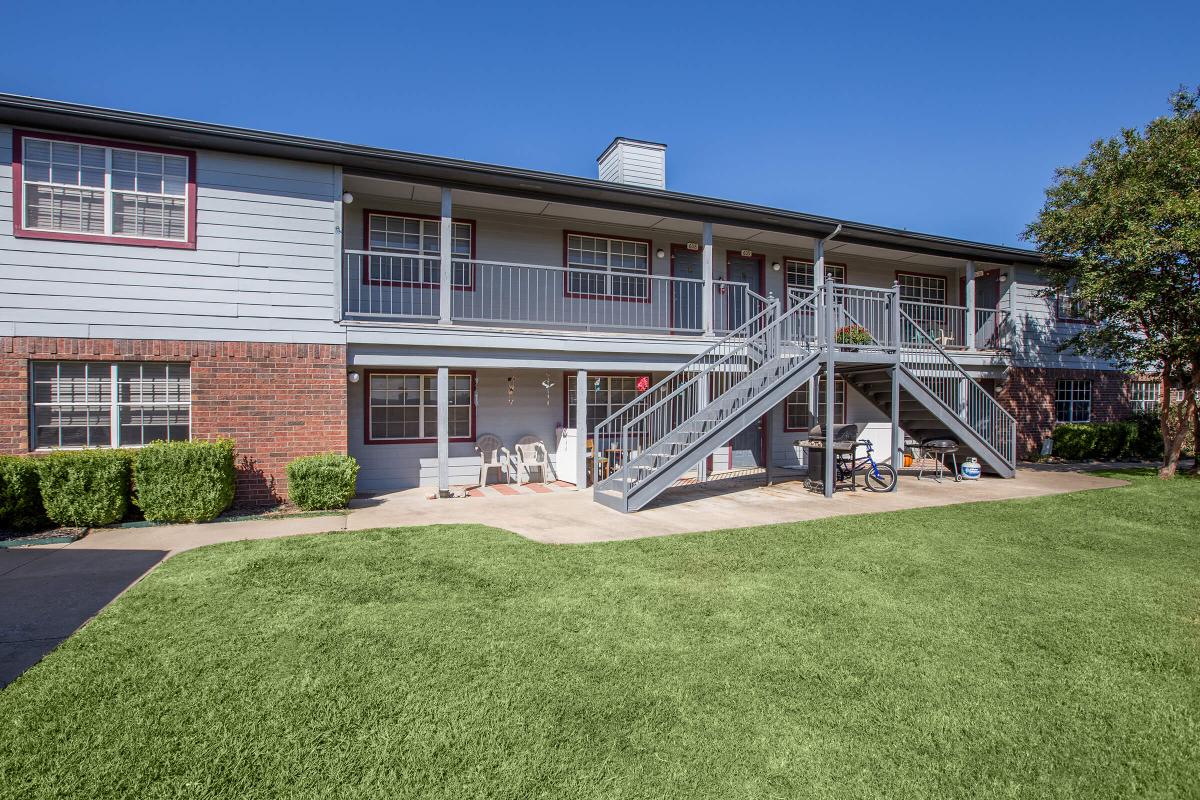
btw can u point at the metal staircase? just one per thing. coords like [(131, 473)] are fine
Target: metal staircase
[(677, 423), (671, 428)]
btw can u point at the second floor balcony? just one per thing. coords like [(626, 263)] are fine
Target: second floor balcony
[(384, 287)]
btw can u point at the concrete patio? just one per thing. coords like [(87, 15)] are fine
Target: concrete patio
[(52, 590)]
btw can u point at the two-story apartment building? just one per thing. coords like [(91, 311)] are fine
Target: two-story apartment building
[(167, 279)]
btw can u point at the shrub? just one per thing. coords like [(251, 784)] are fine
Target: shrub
[(85, 487), (1094, 440), (20, 498), (184, 481), (1147, 440), (323, 481)]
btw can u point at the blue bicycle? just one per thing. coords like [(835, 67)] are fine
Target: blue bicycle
[(876, 477)]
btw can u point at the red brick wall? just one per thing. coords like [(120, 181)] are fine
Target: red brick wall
[(1028, 394), (278, 401)]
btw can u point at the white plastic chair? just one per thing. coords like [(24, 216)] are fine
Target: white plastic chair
[(531, 455), (492, 455)]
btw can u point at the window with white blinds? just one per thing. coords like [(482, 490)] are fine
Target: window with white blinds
[(102, 404), (104, 191), (802, 275)]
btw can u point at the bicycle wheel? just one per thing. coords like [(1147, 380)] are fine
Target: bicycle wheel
[(881, 482)]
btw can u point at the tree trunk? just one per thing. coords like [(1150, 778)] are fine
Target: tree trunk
[(1174, 423)]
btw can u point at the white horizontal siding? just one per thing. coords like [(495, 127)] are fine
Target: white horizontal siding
[(263, 269)]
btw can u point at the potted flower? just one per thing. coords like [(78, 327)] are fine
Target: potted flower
[(852, 334)]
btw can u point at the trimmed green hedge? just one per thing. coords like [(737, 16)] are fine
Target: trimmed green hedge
[(1095, 440), (184, 481), (323, 481), (20, 498), (85, 487)]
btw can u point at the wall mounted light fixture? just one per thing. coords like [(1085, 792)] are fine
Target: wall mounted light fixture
[(347, 198), (661, 253)]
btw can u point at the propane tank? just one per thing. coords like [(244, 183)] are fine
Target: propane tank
[(970, 469)]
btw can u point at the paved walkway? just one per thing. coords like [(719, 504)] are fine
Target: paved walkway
[(49, 591)]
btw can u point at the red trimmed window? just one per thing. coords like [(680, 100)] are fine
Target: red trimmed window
[(402, 407), (606, 268), (416, 243), (916, 288), (797, 415), (75, 189), (1069, 307), (606, 394)]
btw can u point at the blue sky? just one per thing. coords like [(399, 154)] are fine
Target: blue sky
[(940, 117)]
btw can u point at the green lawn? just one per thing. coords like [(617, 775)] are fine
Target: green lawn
[(1032, 648)]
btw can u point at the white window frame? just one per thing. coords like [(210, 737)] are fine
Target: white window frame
[(1067, 394), (799, 400), (426, 410), (617, 278), (918, 288), (1068, 307), (117, 371), (800, 273), (420, 266), (1146, 396), (107, 192)]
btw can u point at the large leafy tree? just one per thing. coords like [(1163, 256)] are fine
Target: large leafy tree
[(1121, 232)]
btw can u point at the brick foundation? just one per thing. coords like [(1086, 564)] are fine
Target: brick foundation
[(1028, 394), (278, 401)]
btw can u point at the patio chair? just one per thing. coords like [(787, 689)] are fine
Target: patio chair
[(531, 455), (492, 455)]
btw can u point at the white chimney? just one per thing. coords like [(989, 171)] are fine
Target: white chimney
[(634, 162)]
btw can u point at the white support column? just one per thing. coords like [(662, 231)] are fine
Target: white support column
[(581, 430), (1010, 335), (830, 389), (969, 302), (819, 263), (706, 261), (897, 441), (446, 264), (443, 431), (770, 424), (338, 253), (701, 402)]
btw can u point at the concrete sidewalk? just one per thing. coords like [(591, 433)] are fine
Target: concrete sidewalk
[(49, 591)]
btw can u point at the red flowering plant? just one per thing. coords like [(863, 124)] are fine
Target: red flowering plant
[(852, 334)]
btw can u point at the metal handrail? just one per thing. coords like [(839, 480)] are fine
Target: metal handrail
[(986, 407), (767, 341)]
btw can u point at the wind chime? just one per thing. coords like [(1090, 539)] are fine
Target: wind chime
[(512, 389), (547, 384)]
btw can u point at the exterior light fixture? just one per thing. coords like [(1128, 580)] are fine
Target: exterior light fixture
[(661, 253), (775, 266), (347, 198), (353, 377)]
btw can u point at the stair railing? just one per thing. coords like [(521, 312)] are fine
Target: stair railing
[(703, 387), (929, 363), (607, 433)]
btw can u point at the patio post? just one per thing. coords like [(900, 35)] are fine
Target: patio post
[(581, 429), (969, 302), (706, 299), (446, 268), (702, 401), (769, 442), (830, 348), (443, 431), (897, 440)]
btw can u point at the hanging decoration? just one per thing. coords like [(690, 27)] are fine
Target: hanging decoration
[(547, 384), (643, 383), (512, 388)]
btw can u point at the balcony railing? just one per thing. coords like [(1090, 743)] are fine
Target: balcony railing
[(406, 288), (947, 326)]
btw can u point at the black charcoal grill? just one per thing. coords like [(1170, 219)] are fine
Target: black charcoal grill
[(939, 447)]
